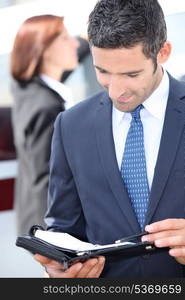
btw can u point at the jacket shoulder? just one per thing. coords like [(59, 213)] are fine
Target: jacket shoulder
[(85, 108), (36, 96)]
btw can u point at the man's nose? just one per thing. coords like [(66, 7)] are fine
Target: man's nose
[(116, 88)]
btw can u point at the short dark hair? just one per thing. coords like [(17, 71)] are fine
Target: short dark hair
[(126, 23)]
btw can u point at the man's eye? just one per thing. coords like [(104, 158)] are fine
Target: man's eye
[(102, 71), (133, 75)]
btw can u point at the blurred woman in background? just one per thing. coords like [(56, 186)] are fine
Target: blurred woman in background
[(43, 50)]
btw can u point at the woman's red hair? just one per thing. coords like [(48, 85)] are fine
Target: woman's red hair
[(33, 37)]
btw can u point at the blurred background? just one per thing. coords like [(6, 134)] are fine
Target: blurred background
[(14, 261)]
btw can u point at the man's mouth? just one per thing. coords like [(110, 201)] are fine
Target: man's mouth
[(124, 99)]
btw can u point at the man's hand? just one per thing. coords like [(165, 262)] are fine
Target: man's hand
[(91, 268), (168, 233)]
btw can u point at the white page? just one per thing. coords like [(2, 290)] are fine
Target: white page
[(65, 240)]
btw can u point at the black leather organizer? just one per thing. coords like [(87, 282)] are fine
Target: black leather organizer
[(67, 256)]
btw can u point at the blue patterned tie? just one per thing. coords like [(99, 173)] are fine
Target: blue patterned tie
[(133, 167)]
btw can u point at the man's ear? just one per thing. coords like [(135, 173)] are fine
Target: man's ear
[(164, 53)]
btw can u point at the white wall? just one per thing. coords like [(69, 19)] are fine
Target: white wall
[(75, 12)]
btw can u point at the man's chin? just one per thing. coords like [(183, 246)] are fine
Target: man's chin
[(124, 107)]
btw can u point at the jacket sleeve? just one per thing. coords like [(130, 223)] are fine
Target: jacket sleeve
[(65, 212), (38, 149)]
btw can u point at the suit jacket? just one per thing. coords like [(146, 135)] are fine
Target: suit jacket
[(35, 108), (87, 197)]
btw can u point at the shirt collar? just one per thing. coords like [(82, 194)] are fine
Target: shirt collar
[(156, 103), (153, 104), (58, 87)]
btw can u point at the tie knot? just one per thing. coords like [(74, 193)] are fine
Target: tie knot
[(136, 112)]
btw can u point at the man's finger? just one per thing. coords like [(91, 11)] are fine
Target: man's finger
[(97, 269), (159, 235), (71, 272), (42, 259), (168, 224), (170, 241)]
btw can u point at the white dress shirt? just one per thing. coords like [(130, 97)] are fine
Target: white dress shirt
[(61, 89), (152, 117)]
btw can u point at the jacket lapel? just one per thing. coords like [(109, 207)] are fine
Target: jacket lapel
[(105, 143), (173, 125)]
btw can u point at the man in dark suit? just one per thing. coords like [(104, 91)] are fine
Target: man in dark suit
[(90, 192)]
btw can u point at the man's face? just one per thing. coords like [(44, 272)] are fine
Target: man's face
[(127, 75)]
